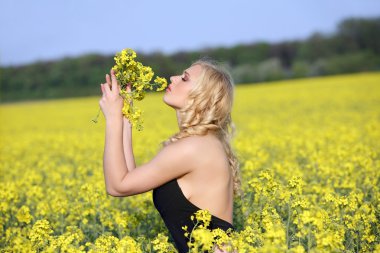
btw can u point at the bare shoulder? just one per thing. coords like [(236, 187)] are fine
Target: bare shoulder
[(196, 143), (182, 151), (188, 144), (205, 148)]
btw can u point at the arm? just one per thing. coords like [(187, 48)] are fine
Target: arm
[(127, 144), (114, 163), (171, 162)]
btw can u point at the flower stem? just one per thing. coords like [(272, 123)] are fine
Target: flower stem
[(95, 120), (191, 233), (288, 225)]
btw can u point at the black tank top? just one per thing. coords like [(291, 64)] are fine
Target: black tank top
[(175, 209)]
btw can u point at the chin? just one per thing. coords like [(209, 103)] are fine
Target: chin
[(169, 103), (166, 101)]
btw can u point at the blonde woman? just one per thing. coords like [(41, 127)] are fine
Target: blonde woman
[(196, 167)]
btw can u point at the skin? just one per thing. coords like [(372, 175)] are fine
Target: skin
[(198, 162)]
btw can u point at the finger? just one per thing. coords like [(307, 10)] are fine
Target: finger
[(103, 87), (129, 87), (106, 88), (108, 80), (114, 80)]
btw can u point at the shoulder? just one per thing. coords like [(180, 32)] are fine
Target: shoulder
[(196, 140), (181, 151), (193, 144), (203, 147), (189, 143)]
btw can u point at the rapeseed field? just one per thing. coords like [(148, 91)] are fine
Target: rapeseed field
[(308, 152)]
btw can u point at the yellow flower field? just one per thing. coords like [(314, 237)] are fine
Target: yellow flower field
[(309, 156)]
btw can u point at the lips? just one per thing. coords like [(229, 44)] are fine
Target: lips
[(168, 88)]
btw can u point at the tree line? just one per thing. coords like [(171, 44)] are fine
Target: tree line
[(353, 47)]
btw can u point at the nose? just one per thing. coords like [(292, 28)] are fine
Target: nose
[(171, 79)]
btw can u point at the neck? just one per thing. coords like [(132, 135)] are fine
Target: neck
[(178, 119)]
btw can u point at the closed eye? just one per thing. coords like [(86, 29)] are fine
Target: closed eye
[(185, 76)]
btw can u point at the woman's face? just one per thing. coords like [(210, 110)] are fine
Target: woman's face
[(180, 86)]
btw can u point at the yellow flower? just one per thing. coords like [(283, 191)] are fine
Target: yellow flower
[(203, 239), (59, 182), (204, 217), (161, 244), (130, 71), (23, 215), (40, 234), (162, 82)]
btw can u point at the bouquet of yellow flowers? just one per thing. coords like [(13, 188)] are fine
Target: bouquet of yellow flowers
[(130, 71)]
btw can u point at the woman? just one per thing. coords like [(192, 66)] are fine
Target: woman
[(196, 168)]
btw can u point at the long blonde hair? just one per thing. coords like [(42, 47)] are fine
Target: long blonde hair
[(209, 110)]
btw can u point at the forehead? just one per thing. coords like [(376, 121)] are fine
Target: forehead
[(195, 70)]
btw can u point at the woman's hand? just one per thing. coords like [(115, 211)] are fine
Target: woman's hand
[(111, 102)]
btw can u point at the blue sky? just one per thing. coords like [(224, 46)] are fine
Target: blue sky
[(52, 29)]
